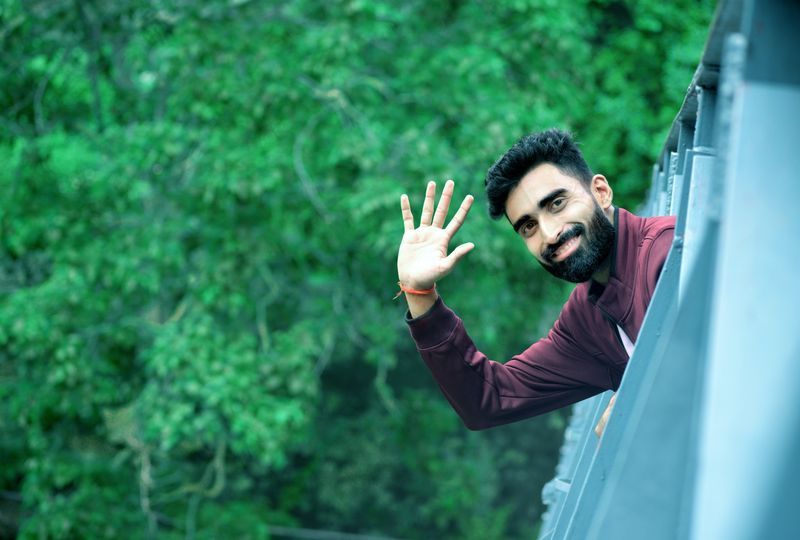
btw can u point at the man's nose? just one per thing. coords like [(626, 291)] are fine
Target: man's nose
[(551, 230)]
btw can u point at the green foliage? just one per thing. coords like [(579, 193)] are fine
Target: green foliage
[(198, 228)]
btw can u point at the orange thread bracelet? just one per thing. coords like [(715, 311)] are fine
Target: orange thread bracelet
[(409, 290)]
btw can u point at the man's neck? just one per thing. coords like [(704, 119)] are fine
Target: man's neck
[(604, 272)]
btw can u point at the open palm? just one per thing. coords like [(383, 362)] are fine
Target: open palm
[(422, 258)]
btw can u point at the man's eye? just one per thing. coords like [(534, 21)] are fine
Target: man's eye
[(528, 227), (557, 204)]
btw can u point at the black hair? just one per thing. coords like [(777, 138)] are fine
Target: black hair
[(550, 146)]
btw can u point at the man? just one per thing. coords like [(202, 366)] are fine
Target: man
[(564, 215)]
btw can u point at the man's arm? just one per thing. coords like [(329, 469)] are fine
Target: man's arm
[(551, 373)]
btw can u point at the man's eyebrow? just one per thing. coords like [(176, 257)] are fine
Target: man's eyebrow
[(550, 197)]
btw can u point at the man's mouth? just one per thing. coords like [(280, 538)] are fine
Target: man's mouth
[(566, 249)]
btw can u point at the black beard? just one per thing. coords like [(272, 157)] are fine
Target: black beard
[(590, 255)]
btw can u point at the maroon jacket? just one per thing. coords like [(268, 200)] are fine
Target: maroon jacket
[(582, 354)]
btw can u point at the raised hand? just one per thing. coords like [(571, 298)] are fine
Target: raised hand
[(423, 259)]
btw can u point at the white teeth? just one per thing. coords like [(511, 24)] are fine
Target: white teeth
[(566, 246)]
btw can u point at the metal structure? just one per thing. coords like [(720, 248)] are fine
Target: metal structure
[(704, 440)]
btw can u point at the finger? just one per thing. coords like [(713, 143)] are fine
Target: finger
[(601, 425), (444, 204), (461, 215), (427, 207), (598, 429), (408, 217), (457, 254)]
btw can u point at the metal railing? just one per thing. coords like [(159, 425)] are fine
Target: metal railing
[(704, 439)]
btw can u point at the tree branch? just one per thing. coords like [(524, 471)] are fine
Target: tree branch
[(302, 173), (38, 115), (92, 37)]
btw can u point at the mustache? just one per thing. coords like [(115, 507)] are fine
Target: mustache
[(550, 250)]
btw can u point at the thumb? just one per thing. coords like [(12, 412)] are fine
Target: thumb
[(456, 255)]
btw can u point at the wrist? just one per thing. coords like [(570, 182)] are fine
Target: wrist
[(420, 298), (419, 304), (416, 289), (412, 283)]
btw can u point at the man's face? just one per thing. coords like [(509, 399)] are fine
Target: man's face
[(564, 225)]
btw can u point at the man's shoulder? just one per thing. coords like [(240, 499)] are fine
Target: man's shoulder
[(651, 226), (657, 224), (655, 240)]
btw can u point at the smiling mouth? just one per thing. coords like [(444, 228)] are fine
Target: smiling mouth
[(566, 249)]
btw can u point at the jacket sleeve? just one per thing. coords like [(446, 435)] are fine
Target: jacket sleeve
[(551, 373)]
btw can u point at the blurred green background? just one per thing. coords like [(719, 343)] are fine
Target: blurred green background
[(199, 220)]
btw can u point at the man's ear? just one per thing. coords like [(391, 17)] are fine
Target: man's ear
[(602, 191)]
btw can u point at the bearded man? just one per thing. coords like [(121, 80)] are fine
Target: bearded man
[(563, 213)]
